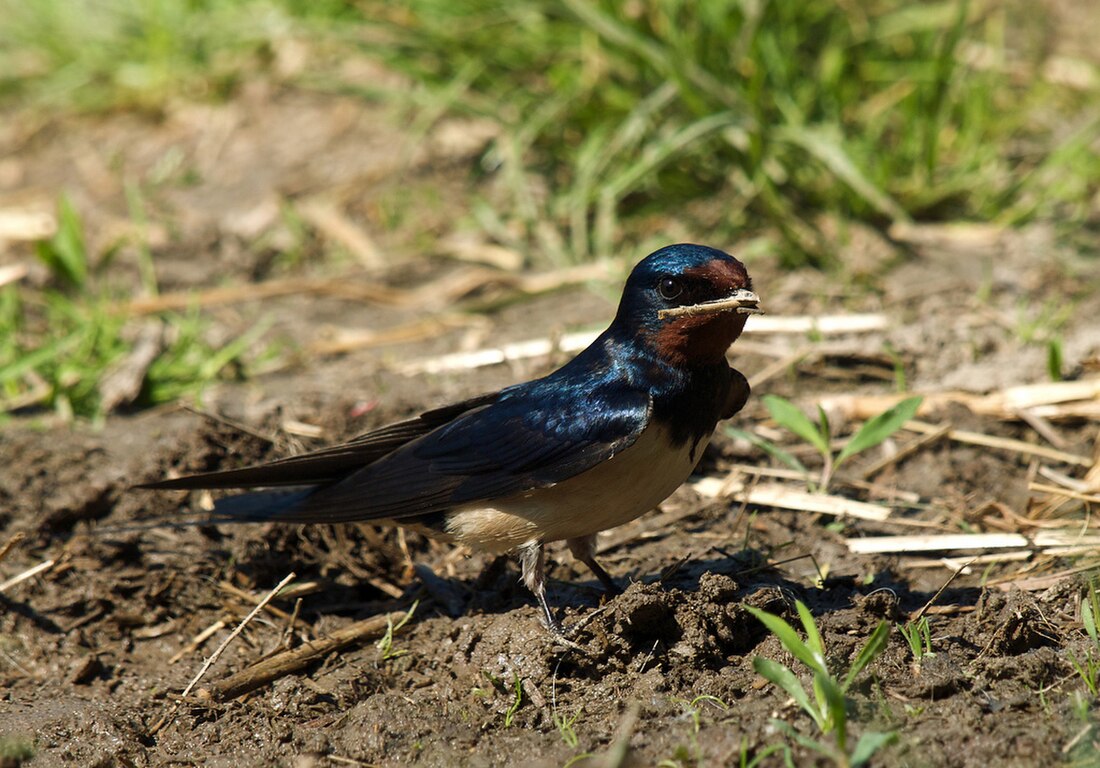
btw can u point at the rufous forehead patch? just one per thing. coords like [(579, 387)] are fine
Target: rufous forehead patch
[(725, 274)]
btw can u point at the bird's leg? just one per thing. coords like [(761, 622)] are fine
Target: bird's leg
[(584, 549), (532, 561)]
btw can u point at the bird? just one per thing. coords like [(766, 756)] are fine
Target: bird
[(588, 447)]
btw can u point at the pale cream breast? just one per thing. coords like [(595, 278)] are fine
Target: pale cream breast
[(612, 493)]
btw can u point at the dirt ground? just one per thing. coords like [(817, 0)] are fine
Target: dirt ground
[(96, 649)]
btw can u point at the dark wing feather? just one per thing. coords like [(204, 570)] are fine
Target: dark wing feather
[(327, 465), (533, 436)]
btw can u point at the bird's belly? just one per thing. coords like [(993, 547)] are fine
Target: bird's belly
[(612, 493)]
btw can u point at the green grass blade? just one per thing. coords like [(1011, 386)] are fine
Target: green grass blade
[(1090, 609), (880, 427), (826, 146), (831, 701), (869, 743), (770, 448), (805, 741), (787, 636), (823, 420), (813, 637), (784, 678), (33, 360), (64, 253), (875, 645), (233, 350), (788, 415)]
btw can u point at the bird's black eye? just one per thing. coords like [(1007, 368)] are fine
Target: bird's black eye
[(669, 288)]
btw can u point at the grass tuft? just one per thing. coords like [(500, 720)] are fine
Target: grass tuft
[(726, 121), (828, 706), (60, 343), (749, 116)]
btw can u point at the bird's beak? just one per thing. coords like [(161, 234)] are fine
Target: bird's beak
[(743, 302)]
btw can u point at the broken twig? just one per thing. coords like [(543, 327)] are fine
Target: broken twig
[(288, 662)]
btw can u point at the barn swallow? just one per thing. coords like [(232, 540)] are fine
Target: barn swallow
[(593, 445)]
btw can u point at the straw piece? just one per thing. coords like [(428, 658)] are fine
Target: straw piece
[(964, 566), (575, 342), (198, 640), (12, 273), (1039, 399), (907, 450), (826, 325), (26, 224), (784, 497), (1004, 443), (971, 541), (335, 225), (1037, 583), (1058, 491), (30, 573)]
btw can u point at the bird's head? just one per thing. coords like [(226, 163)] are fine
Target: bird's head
[(687, 303)]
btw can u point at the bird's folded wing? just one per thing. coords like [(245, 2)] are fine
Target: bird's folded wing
[(519, 443), (327, 465)]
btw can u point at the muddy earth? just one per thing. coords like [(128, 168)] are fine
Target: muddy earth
[(97, 647)]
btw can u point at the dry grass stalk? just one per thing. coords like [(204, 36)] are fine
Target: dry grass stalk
[(907, 450), (825, 325), (1072, 398), (964, 566), (348, 340), (785, 497), (11, 543), (358, 287), (773, 495), (1038, 583), (11, 273), (1041, 426), (575, 342), (1003, 443), (302, 429), (779, 366), (1064, 480), (259, 600), (342, 287), (30, 573), (1055, 490), (1042, 540), (233, 635), (26, 224), (334, 224), (924, 609), (198, 640)]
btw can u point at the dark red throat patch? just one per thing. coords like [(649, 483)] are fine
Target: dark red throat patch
[(698, 339)]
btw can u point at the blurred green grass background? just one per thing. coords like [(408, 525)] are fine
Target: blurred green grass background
[(748, 116), (745, 120)]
